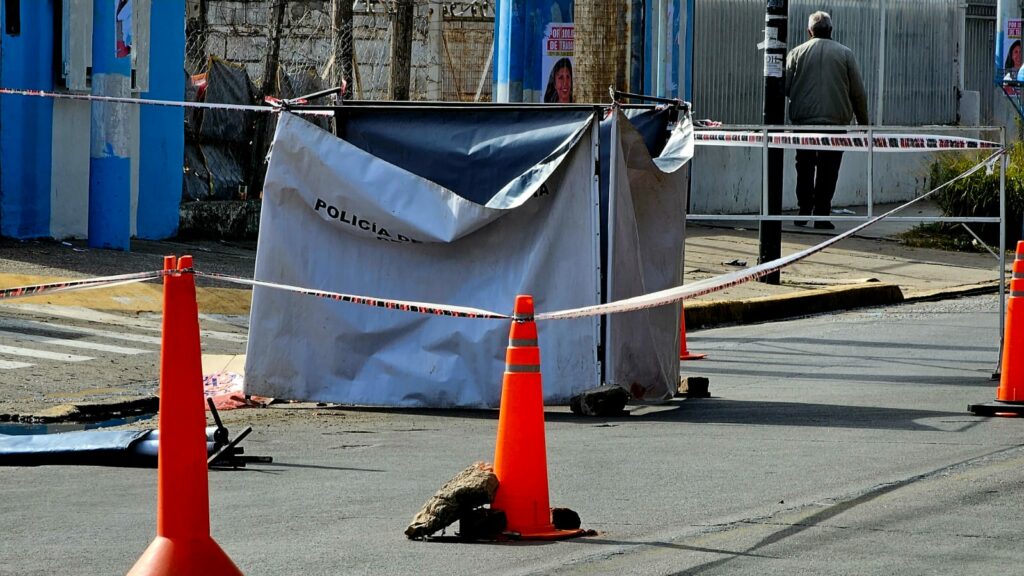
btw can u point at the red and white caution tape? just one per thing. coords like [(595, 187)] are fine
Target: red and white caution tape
[(710, 285), (86, 284), (403, 305), (172, 103), (848, 142), (654, 299)]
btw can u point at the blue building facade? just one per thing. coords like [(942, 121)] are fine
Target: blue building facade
[(70, 168)]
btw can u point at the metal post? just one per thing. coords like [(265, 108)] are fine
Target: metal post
[(764, 175), (871, 171), (1002, 250), (775, 34), (109, 160)]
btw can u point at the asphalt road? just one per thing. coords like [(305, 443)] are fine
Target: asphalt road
[(837, 444)]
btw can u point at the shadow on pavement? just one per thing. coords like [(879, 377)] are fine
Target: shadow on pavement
[(750, 412)]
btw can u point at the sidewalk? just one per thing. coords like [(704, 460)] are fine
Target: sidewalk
[(869, 269)]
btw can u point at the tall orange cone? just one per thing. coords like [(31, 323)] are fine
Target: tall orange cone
[(183, 544), (1010, 395), (684, 353), (520, 457)]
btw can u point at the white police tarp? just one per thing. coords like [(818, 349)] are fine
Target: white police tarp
[(647, 220), (338, 218), (468, 209)]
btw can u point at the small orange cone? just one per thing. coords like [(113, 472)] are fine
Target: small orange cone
[(183, 544), (1010, 395), (685, 354), (520, 457)]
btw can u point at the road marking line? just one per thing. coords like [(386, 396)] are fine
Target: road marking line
[(90, 315), (32, 324), (10, 365), (32, 353), (71, 343)]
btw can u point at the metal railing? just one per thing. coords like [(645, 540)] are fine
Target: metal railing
[(872, 131)]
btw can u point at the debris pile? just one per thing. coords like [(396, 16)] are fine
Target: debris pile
[(462, 498), (601, 401)]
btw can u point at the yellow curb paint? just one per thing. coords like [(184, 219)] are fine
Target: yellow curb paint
[(131, 298)]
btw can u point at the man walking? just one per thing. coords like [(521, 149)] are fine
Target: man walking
[(824, 87)]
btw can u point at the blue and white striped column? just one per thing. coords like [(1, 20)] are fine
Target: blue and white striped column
[(109, 145)]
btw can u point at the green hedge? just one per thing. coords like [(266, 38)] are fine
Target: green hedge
[(978, 194)]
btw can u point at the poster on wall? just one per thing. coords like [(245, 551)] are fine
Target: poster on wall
[(557, 63), (123, 28), (1012, 50)]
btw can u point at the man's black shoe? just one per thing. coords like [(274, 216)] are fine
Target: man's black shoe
[(824, 225), (800, 223)]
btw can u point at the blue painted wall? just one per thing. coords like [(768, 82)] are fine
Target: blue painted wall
[(26, 123), (519, 35), (162, 134), (688, 53), (674, 85)]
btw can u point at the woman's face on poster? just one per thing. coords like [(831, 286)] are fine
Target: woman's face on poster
[(1015, 55), (563, 85)]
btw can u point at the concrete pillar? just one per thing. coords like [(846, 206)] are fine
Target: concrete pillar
[(109, 145), (162, 146)]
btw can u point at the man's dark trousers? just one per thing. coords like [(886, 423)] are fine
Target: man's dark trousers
[(816, 175)]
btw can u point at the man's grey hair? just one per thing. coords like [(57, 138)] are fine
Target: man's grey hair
[(820, 24)]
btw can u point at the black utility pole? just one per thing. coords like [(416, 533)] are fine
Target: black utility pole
[(776, 17)]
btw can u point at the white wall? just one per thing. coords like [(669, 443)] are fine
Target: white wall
[(729, 180)]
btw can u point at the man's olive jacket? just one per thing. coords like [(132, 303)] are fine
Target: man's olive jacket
[(823, 84)]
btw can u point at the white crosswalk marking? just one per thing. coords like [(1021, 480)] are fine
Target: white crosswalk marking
[(10, 365), (17, 336), (43, 354), (89, 315), (32, 324)]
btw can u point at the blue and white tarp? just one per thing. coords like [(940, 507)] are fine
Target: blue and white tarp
[(464, 207)]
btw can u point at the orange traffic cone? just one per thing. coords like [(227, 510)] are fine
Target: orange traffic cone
[(520, 457), (685, 354), (1010, 395), (183, 544)]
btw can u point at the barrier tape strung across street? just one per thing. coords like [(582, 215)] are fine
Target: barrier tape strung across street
[(176, 104), (709, 285), (661, 298), (654, 299), (403, 305), (857, 141), (847, 142), (86, 284)]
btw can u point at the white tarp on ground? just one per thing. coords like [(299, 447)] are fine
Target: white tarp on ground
[(329, 209), (336, 217)]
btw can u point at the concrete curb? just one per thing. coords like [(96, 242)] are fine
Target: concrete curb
[(953, 292), (709, 314)]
